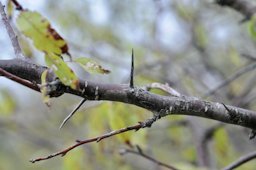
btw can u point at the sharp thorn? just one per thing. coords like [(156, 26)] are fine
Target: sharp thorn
[(132, 71), (72, 113)]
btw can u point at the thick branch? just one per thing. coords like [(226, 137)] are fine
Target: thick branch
[(161, 105)]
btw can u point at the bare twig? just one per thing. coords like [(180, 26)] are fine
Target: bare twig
[(132, 71), (96, 139), (136, 127), (139, 152), (72, 113), (242, 160), (13, 37), (233, 77), (19, 80), (164, 87)]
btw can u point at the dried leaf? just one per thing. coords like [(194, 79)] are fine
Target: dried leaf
[(91, 66)]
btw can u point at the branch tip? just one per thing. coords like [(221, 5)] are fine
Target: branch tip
[(72, 113), (132, 71)]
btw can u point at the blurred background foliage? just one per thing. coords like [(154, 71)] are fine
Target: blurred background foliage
[(191, 45)]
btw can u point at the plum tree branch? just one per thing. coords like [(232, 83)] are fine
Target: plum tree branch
[(159, 105)]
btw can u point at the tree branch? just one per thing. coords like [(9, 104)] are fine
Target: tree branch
[(19, 80), (241, 161), (160, 105), (96, 139), (233, 77), (10, 31), (245, 7), (142, 154)]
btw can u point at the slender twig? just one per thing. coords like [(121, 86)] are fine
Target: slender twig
[(245, 7), (140, 153), (248, 56), (96, 139), (19, 80), (233, 77), (136, 127), (72, 113), (242, 160), (132, 71), (164, 87), (17, 4), (11, 33)]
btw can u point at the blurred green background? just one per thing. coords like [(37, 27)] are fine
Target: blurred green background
[(191, 45)]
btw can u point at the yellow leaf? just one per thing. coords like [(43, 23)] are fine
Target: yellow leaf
[(61, 69), (43, 89), (45, 38), (91, 66)]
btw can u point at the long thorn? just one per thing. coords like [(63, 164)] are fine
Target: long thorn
[(132, 69), (72, 113)]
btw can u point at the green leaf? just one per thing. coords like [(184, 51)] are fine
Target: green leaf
[(200, 34), (7, 104), (91, 66), (252, 27), (76, 160), (45, 38), (116, 121), (61, 69), (223, 148), (121, 116), (43, 89), (9, 8)]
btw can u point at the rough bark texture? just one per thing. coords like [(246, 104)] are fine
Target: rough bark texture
[(159, 105)]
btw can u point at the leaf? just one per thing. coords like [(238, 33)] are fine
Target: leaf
[(121, 116), (45, 38), (91, 66), (223, 148), (61, 69), (200, 34), (44, 89), (9, 9), (7, 104), (252, 27), (76, 160), (116, 121)]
